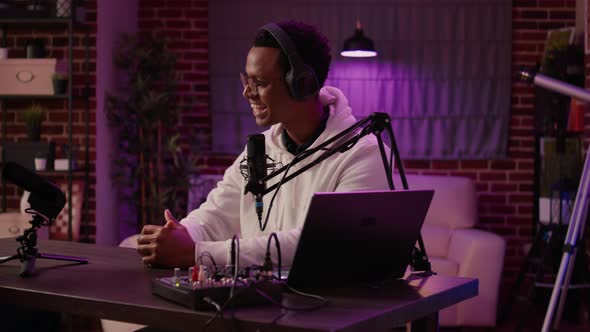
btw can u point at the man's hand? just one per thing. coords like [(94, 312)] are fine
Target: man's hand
[(169, 245)]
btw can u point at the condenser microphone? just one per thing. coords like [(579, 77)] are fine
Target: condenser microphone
[(256, 166), (45, 197)]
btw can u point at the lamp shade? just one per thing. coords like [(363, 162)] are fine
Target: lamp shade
[(358, 46)]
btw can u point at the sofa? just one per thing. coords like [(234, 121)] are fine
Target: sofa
[(456, 248), (453, 245)]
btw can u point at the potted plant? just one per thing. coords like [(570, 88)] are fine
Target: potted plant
[(60, 83), (33, 118), (149, 158)]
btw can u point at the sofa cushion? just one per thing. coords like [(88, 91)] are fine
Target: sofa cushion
[(130, 242), (444, 267), (436, 240), (454, 204)]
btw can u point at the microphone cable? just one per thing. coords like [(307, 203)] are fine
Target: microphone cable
[(208, 255), (263, 226), (235, 243), (322, 301), (267, 266), (300, 155), (391, 138)]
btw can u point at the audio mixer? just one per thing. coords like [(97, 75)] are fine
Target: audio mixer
[(202, 293)]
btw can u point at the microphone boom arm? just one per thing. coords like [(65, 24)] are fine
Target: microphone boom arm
[(579, 213), (376, 123), (310, 152), (549, 83)]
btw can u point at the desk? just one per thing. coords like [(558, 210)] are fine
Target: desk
[(115, 285)]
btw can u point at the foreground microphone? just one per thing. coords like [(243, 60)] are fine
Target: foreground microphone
[(530, 76), (256, 165), (46, 198)]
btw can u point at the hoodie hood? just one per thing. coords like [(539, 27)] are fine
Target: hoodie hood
[(339, 119)]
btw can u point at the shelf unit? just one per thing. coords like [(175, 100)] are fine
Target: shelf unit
[(83, 170), (28, 97)]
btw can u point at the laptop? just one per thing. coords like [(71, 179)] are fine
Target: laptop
[(358, 238)]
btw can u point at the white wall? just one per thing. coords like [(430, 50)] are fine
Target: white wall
[(113, 18)]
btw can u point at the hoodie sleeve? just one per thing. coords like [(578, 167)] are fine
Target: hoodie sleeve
[(218, 219), (252, 250), (363, 170)]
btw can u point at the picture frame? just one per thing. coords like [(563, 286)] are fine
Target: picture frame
[(556, 39), (586, 24)]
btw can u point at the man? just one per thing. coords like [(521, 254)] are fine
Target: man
[(300, 117)]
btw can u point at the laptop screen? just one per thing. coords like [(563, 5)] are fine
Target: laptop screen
[(358, 237)]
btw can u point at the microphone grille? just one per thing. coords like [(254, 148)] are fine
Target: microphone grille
[(256, 147)]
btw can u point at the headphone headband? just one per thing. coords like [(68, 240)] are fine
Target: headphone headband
[(301, 79), (286, 44)]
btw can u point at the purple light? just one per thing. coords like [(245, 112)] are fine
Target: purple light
[(359, 54)]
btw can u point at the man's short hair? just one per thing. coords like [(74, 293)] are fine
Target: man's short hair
[(312, 46)]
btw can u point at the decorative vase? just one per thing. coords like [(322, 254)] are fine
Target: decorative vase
[(37, 5), (60, 86), (40, 164), (35, 48), (63, 8)]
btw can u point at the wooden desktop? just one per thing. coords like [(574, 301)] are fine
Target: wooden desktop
[(115, 285)]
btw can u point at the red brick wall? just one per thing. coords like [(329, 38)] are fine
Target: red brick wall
[(54, 128), (186, 24), (531, 20), (505, 187), (587, 72)]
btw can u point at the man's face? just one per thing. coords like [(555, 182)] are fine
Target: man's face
[(272, 104)]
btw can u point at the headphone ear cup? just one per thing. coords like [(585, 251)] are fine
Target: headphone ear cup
[(304, 85), (291, 84), (301, 80)]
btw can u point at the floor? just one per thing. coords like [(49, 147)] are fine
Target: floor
[(528, 316)]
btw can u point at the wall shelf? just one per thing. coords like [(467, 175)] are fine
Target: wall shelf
[(79, 173), (27, 97), (26, 20), (20, 18)]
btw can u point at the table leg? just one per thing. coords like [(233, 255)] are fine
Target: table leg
[(426, 323)]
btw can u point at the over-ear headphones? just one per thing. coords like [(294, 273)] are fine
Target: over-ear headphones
[(301, 79)]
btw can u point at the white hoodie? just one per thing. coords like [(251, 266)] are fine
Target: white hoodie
[(228, 211)]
